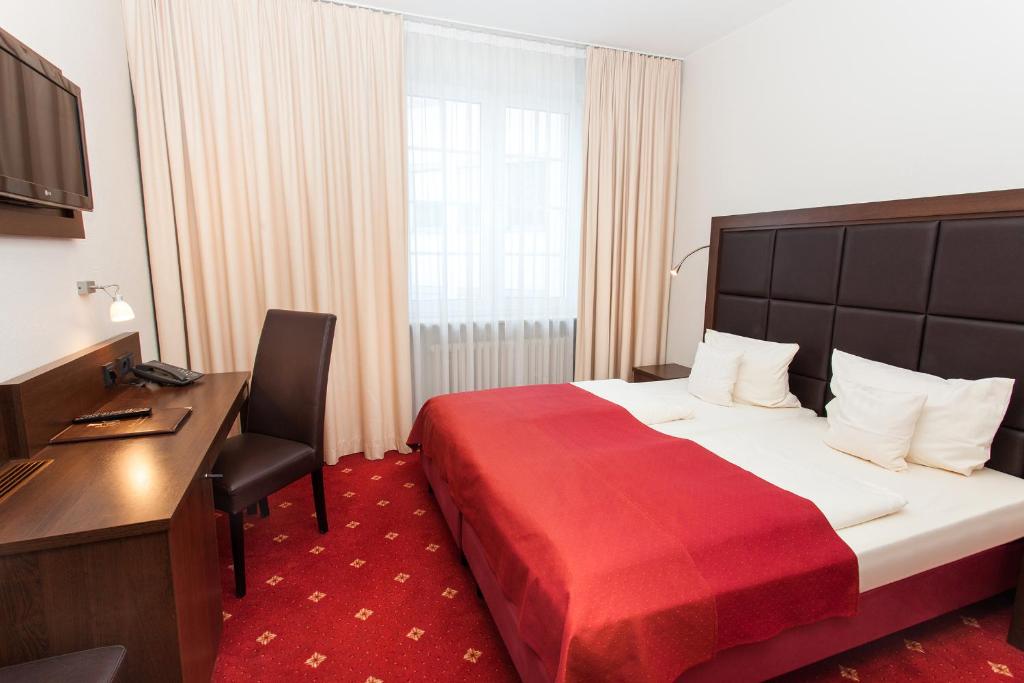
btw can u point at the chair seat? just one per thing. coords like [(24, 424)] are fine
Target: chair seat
[(98, 665), (255, 465)]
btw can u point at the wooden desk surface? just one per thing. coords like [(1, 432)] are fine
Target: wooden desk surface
[(114, 488)]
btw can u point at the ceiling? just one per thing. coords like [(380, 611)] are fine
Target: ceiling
[(673, 28)]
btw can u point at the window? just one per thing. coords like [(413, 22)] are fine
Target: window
[(494, 146)]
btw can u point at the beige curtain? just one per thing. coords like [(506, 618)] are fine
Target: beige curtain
[(271, 137), (631, 140)]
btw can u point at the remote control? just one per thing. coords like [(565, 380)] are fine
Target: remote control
[(124, 414)]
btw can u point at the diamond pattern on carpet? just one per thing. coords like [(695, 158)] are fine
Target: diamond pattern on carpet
[(383, 597)]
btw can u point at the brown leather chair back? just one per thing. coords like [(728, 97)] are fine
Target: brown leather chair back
[(288, 392)]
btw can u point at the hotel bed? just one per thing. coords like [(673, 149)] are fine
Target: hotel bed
[(954, 542), (931, 285)]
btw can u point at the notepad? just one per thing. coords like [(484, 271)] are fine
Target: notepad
[(162, 421)]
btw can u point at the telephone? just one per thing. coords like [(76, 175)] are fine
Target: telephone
[(162, 373)]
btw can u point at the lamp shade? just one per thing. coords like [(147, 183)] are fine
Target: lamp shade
[(120, 311)]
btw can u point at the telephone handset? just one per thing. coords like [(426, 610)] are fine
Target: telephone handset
[(163, 373)]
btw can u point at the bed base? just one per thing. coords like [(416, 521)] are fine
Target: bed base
[(883, 611)]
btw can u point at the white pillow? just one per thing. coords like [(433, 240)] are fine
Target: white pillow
[(873, 423), (763, 378), (714, 374), (959, 419)]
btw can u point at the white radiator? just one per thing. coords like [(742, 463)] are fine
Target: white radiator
[(484, 355)]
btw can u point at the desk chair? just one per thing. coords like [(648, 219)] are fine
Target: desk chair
[(282, 437)]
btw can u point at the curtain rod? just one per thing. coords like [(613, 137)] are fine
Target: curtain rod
[(451, 23)]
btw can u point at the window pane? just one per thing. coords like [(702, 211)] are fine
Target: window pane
[(494, 181)]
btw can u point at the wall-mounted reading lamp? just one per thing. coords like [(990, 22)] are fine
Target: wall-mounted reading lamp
[(675, 269), (120, 311)]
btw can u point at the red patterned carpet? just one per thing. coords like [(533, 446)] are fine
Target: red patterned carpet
[(383, 597)]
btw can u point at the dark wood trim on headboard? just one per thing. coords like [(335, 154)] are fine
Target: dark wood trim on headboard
[(972, 205), (38, 404)]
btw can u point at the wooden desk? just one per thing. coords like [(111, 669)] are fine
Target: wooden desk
[(115, 542)]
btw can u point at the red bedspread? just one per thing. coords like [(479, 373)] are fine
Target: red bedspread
[(629, 553)]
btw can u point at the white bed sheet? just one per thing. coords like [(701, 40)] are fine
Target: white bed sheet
[(947, 516), (844, 501)]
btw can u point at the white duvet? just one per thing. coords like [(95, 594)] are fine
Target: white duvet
[(946, 516), (844, 501)]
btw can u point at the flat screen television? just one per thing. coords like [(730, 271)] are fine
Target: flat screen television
[(43, 159)]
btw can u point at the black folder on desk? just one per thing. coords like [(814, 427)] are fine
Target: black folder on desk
[(161, 421)]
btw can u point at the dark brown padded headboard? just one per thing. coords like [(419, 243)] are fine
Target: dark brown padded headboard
[(933, 284)]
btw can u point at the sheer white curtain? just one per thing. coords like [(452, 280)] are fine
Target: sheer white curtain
[(495, 190)]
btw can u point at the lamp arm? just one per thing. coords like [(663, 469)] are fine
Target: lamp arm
[(675, 268), (106, 290), (120, 310)]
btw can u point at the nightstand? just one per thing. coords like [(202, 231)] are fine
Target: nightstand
[(656, 373)]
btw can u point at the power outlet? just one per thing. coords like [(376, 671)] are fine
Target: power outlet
[(125, 364), (110, 374)]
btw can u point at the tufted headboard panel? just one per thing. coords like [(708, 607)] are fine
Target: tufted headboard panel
[(933, 284)]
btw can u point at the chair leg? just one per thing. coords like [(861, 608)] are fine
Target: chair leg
[(319, 500), (264, 507), (238, 551)]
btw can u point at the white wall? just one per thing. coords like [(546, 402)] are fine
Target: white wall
[(839, 101), (41, 315)]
